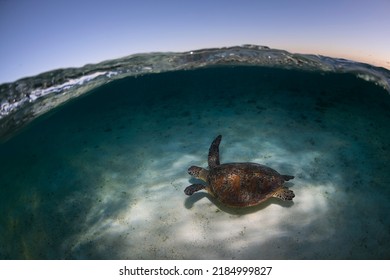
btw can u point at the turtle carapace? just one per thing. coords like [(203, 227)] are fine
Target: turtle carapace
[(239, 184)]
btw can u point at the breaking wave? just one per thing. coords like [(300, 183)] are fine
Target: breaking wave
[(28, 98)]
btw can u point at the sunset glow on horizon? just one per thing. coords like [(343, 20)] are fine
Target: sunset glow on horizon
[(42, 35)]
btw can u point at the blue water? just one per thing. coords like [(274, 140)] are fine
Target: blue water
[(102, 177)]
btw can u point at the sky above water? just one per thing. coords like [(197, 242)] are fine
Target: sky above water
[(41, 35)]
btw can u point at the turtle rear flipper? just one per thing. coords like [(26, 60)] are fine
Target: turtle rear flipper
[(213, 158), (284, 194), (190, 190), (287, 177)]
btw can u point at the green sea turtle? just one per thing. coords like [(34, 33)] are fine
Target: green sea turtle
[(239, 184)]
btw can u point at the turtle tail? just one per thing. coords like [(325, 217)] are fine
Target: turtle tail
[(213, 158)]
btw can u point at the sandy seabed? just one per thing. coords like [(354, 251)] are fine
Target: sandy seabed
[(103, 176)]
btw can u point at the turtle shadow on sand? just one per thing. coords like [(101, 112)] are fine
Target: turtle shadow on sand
[(191, 200), (238, 188)]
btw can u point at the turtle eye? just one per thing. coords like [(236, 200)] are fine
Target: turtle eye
[(193, 171)]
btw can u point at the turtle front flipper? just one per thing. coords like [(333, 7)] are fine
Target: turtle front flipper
[(284, 194), (213, 158), (193, 188)]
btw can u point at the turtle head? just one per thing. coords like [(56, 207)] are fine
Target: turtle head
[(198, 172)]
